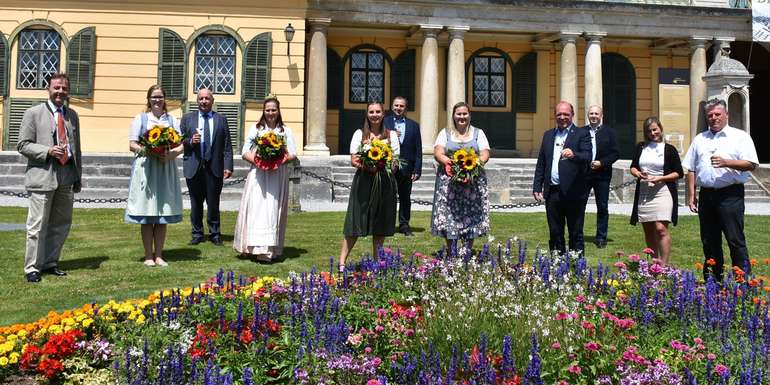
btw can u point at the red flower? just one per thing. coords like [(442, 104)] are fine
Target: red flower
[(272, 373), (246, 337), (30, 357), (50, 367)]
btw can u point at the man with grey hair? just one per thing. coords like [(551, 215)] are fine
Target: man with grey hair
[(718, 161), (604, 154)]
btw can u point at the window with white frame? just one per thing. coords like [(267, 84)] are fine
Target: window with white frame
[(489, 81), (367, 77), (39, 58), (215, 63)]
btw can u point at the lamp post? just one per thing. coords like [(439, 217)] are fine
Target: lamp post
[(289, 33)]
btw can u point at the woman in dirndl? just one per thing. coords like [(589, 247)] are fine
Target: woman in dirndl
[(154, 191)]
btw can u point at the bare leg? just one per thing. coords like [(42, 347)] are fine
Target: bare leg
[(664, 241), (160, 239), (449, 246), (650, 237), (347, 245), (377, 242), (147, 231)]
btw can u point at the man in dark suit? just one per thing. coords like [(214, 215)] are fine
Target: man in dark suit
[(560, 179), (208, 159), (411, 155), (604, 154)]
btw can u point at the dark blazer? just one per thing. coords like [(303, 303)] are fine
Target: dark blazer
[(606, 152), (36, 136), (671, 163), (221, 146), (572, 172), (411, 148)]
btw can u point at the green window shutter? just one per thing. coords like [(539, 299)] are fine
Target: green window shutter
[(15, 114), (172, 61), (402, 77), (335, 85), (525, 87), (4, 58), (232, 112), (256, 69), (81, 56)]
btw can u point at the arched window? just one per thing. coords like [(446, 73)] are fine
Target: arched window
[(39, 58), (367, 76), (215, 63), (489, 80)]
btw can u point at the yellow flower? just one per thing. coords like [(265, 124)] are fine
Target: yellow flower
[(3, 361), (154, 135), (375, 153), (87, 322), (470, 162), (13, 358), (173, 137), (459, 156)]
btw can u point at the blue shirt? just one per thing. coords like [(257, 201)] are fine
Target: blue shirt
[(400, 126)]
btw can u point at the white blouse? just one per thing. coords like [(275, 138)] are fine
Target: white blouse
[(652, 158), (355, 142), (482, 141), (152, 120)]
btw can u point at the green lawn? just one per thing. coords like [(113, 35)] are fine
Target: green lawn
[(103, 254)]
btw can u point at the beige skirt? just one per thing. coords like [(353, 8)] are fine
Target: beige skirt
[(655, 203)]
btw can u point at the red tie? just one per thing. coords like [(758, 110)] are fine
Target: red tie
[(61, 136)]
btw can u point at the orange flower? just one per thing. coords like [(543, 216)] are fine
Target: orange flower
[(711, 262), (756, 300), (766, 289), (766, 261), (754, 282), (753, 262), (698, 265), (738, 271)]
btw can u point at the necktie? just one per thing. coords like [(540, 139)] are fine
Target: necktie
[(206, 138), (61, 136)]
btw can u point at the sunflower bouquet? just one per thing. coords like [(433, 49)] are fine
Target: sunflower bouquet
[(270, 149), (376, 156), (465, 166), (160, 139)]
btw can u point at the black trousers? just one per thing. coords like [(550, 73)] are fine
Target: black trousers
[(601, 187), (404, 184), (204, 186), (560, 212), (721, 211)]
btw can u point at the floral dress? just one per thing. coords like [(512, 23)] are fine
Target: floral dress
[(460, 211)]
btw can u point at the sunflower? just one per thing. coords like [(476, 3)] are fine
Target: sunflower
[(173, 137), (154, 134), (469, 163), (460, 155), (388, 154), (375, 153), (274, 142)]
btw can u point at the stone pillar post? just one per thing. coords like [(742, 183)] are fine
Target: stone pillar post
[(429, 87), (316, 89), (455, 85), (593, 70), (568, 79), (719, 44), (697, 84)]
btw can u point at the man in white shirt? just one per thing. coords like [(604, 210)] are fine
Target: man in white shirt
[(718, 161)]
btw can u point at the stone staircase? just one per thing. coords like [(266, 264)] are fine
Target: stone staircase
[(510, 180)]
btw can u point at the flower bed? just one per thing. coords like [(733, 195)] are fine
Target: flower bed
[(494, 319)]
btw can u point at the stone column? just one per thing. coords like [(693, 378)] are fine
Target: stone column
[(455, 85), (697, 85), (719, 44), (568, 85), (316, 89), (429, 87), (593, 70)]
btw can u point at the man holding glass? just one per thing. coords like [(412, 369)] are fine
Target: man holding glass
[(560, 179), (718, 161)]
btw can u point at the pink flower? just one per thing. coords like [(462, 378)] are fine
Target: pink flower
[(697, 340), (574, 369), (562, 382), (600, 304), (379, 329), (587, 325), (634, 258), (592, 346), (354, 339), (556, 346), (648, 251), (373, 381), (620, 265), (711, 356), (368, 350), (620, 253), (722, 370), (656, 268), (561, 316), (580, 299)]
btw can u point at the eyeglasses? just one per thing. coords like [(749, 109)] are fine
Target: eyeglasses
[(157, 97)]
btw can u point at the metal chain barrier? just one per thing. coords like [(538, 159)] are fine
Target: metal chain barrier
[(430, 203)]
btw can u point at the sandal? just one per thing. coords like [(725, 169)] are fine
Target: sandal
[(149, 262), (160, 262)]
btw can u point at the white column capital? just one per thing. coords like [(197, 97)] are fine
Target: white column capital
[(569, 37), (698, 42), (457, 32), (430, 30), (594, 37), (319, 24), (728, 39)]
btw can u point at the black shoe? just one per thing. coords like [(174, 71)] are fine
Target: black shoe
[(405, 230), (33, 277), (216, 241), (195, 241), (601, 244), (55, 271)]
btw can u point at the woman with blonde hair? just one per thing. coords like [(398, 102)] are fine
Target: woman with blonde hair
[(154, 192)]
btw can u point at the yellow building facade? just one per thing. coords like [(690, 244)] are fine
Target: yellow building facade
[(512, 61)]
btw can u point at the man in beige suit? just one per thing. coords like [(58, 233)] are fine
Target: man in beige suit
[(50, 139)]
